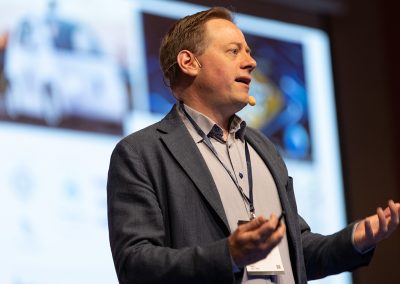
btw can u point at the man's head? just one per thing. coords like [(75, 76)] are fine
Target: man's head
[(210, 71), (187, 34)]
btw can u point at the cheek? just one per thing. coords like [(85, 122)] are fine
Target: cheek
[(222, 76)]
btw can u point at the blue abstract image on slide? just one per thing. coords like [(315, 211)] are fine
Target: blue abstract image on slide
[(278, 85)]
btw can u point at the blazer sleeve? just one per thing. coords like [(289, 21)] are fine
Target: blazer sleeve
[(322, 255), (138, 234), (332, 254)]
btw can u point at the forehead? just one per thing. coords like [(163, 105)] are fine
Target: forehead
[(221, 32)]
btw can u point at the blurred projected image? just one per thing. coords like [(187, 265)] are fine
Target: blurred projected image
[(93, 66), (278, 85), (56, 72), (155, 27)]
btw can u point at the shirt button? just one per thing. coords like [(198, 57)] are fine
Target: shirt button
[(240, 175)]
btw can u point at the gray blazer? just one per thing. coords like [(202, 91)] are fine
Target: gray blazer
[(167, 223)]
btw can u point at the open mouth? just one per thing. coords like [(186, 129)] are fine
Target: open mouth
[(244, 80)]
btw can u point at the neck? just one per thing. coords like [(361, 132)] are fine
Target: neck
[(218, 116)]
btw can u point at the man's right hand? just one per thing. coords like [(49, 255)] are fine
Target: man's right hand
[(254, 240)]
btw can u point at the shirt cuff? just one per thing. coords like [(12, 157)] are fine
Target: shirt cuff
[(235, 268)]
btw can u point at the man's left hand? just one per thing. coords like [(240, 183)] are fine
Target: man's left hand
[(377, 227)]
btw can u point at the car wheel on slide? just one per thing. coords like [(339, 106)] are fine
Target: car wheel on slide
[(51, 106), (10, 102)]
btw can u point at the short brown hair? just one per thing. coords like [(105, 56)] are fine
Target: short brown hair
[(187, 33)]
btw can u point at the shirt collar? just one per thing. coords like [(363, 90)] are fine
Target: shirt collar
[(208, 126)]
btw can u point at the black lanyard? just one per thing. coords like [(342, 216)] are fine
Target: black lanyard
[(207, 141)]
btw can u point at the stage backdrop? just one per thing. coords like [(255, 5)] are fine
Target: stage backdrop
[(76, 76)]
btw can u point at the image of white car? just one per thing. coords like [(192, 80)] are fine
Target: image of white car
[(56, 68)]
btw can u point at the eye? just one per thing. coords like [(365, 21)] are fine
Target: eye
[(234, 51)]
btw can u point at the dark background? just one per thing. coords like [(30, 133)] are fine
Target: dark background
[(366, 63)]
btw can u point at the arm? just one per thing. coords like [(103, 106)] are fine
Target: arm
[(326, 255), (332, 254), (139, 236), (347, 249)]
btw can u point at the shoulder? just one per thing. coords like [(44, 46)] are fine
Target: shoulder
[(147, 134), (260, 138), (151, 134), (267, 150), (149, 139)]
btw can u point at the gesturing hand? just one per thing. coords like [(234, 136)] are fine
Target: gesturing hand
[(253, 241), (377, 227)]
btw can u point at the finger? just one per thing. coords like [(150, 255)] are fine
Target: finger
[(394, 215), (281, 230), (274, 238), (393, 209), (262, 232), (273, 220), (388, 211), (369, 233), (383, 224), (253, 224)]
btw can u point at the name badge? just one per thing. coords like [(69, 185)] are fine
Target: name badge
[(271, 265)]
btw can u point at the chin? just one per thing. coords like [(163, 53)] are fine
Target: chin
[(238, 101), (243, 99), (239, 105)]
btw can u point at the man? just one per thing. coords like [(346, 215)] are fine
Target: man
[(178, 189)]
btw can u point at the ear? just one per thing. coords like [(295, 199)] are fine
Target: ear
[(187, 63)]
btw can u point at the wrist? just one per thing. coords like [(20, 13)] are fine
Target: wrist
[(359, 241)]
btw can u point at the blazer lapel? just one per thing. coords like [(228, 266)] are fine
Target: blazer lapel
[(181, 145)]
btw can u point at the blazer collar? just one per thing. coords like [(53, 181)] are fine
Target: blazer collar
[(264, 150), (276, 167), (181, 145)]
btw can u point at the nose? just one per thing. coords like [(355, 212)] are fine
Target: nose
[(249, 62)]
